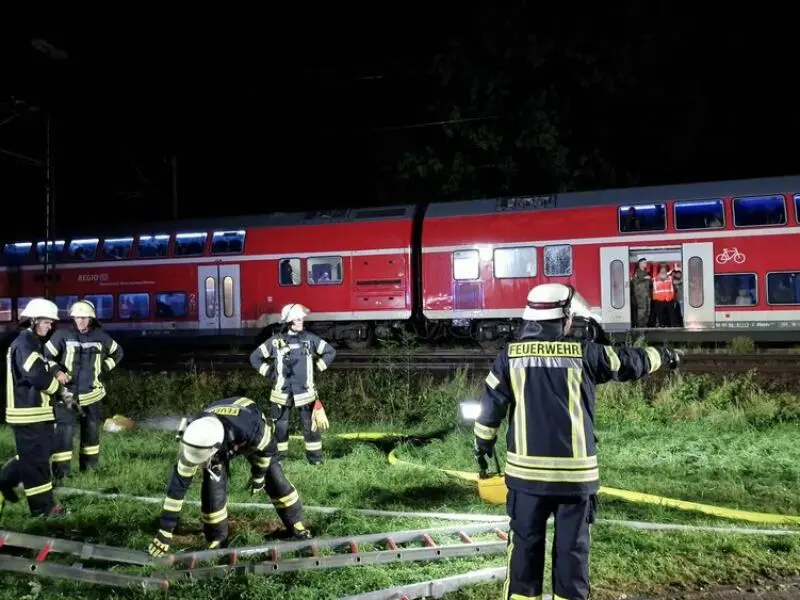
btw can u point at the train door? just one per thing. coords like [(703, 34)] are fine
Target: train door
[(615, 288), (698, 287), (220, 297)]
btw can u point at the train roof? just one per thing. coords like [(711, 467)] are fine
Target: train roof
[(620, 196)]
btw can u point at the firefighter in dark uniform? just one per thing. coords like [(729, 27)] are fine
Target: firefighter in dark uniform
[(296, 353), (85, 353), (32, 388), (226, 429), (546, 381)]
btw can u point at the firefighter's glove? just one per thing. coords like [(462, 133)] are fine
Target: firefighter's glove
[(484, 447), (255, 485), (159, 546), (70, 402), (673, 357), (319, 421)]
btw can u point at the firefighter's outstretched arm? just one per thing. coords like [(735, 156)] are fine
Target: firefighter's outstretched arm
[(179, 482), (113, 352), (627, 363), (324, 352), (259, 358), (497, 396)]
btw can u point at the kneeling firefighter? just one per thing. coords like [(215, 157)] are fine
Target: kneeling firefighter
[(226, 429), (295, 354), (546, 380)]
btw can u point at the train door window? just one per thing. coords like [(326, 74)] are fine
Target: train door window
[(695, 279), (84, 249), (64, 303), (324, 270), (736, 289), (53, 254), (466, 264), (797, 207), (134, 306), (227, 296), (617, 272), (211, 297), (642, 217), (190, 244), (153, 246), (759, 211), (103, 305), (5, 310), (18, 253), (289, 271), (558, 260), (512, 262), (703, 214), (117, 248), (783, 288), (227, 242), (171, 305)]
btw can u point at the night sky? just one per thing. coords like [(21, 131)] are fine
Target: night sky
[(283, 113)]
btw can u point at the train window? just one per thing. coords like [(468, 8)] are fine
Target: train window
[(54, 250), (514, 262), (783, 288), (797, 207), (289, 271), (759, 211), (642, 217), (17, 254), (170, 305), (103, 305), (705, 214), (211, 297), (64, 303), (617, 273), (227, 242), (558, 260), (117, 248), (695, 278), (5, 310), (22, 302), (82, 249), (134, 306), (466, 264), (227, 296), (153, 246), (190, 244), (324, 270), (735, 289)]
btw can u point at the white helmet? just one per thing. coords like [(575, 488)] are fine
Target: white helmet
[(290, 312), (202, 439), (82, 308), (40, 308), (555, 301)]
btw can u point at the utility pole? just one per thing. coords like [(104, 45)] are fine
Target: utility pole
[(174, 187), (49, 206)]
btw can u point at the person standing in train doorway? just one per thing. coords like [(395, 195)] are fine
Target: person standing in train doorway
[(86, 354), (642, 285), (289, 358)]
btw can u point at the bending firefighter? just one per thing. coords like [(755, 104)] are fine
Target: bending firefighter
[(296, 353), (226, 429), (546, 380), (85, 353), (33, 386)]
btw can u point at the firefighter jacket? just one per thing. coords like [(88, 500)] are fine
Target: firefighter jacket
[(30, 384), (247, 433), (84, 357), (294, 355), (547, 384)]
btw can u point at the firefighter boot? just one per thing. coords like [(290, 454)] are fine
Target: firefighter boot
[(299, 532)]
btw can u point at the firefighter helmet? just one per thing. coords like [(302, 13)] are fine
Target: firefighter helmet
[(82, 308), (202, 439), (290, 312), (551, 301), (40, 308)]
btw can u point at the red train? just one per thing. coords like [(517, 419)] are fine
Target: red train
[(442, 269)]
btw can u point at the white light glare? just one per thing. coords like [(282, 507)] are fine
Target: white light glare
[(470, 410)]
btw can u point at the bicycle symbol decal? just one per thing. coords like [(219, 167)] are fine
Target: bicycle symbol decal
[(730, 254)]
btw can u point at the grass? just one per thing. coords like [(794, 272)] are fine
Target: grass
[(731, 445)]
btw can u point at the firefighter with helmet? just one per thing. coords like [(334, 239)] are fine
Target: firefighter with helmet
[(85, 353), (290, 358), (546, 381), (226, 429), (33, 387)]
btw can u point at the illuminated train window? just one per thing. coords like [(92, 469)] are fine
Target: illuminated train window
[(739, 289), (466, 264), (103, 306), (190, 244), (227, 242), (134, 306), (5, 310), (153, 246), (642, 217), (82, 249), (695, 278), (558, 260), (289, 271), (797, 207), (54, 250), (512, 262), (759, 211), (324, 270), (18, 253), (171, 305), (227, 296), (211, 297), (117, 248), (704, 214), (617, 276), (22, 302), (64, 303)]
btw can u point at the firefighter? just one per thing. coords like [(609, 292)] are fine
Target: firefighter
[(85, 353), (546, 381), (31, 388), (295, 353), (226, 429)]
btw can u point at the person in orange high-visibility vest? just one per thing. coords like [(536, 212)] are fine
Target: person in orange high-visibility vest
[(663, 297)]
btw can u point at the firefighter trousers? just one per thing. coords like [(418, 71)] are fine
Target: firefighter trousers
[(31, 467), (214, 500), (313, 439), (571, 544), (66, 420)]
